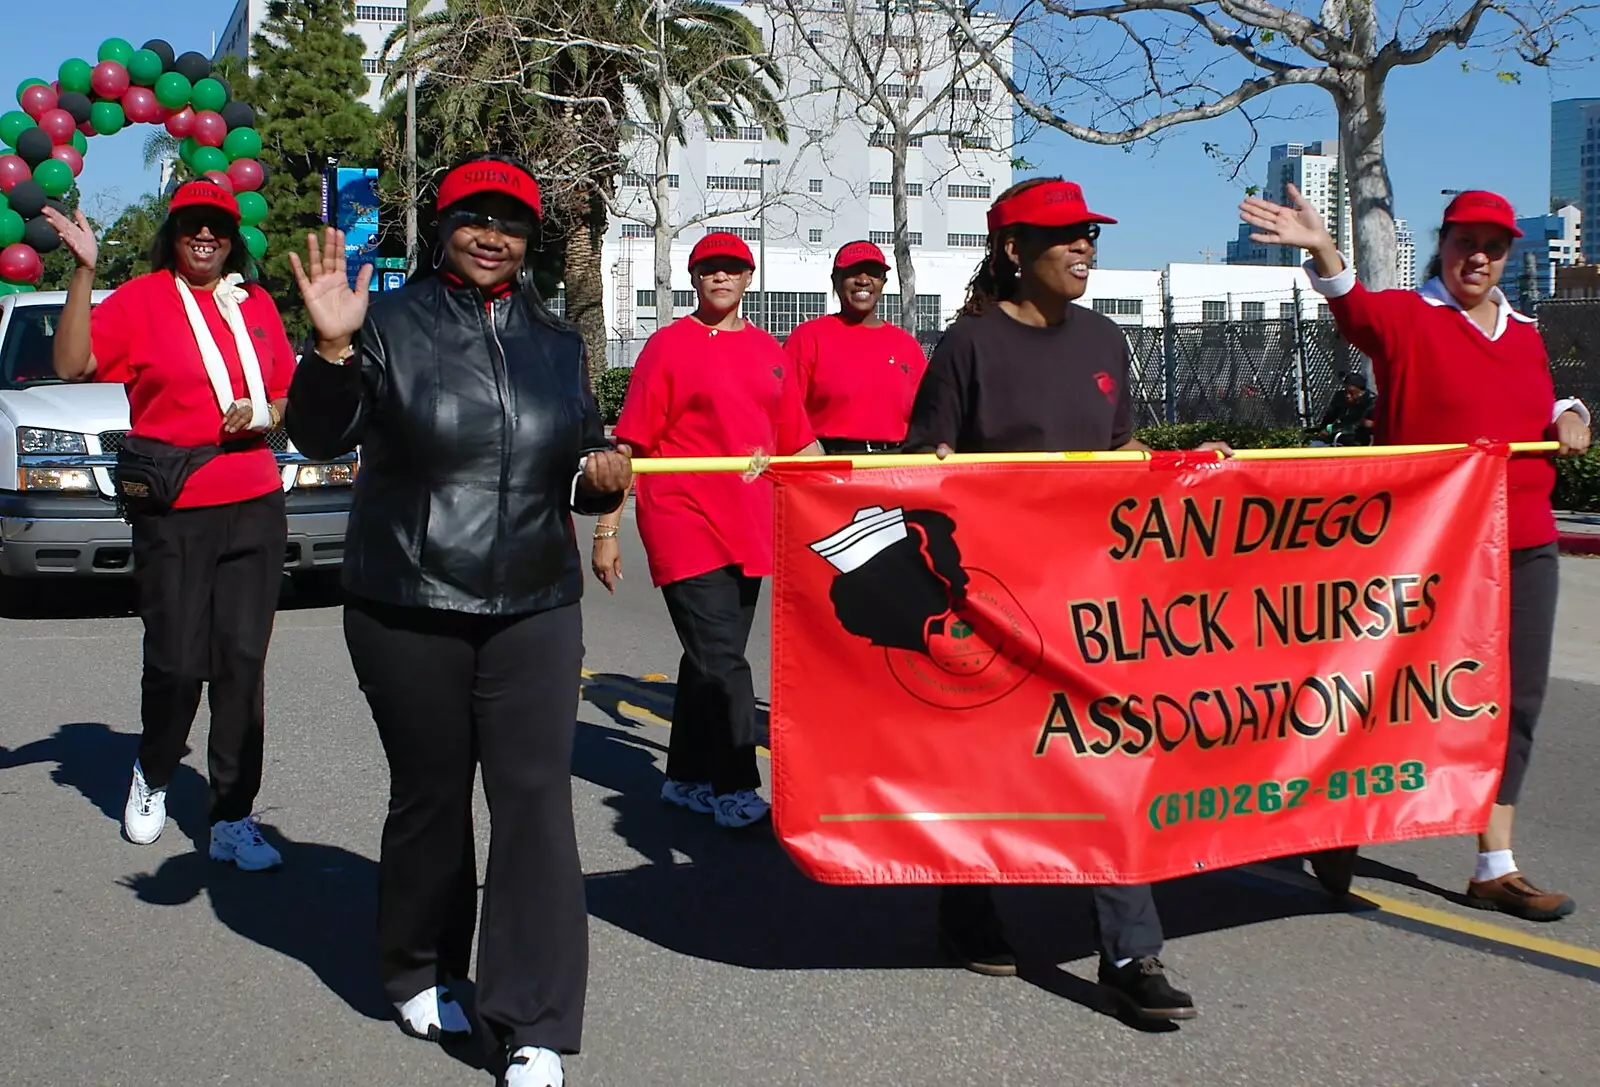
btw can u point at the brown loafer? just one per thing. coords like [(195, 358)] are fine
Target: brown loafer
[(1513, 894)]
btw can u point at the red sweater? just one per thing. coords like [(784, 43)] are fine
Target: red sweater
[(1441, 379)]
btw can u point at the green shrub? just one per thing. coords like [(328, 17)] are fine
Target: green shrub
[(609, 389), (1237, 435), (1578, 482)]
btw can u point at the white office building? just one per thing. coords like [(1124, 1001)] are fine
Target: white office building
[(1405, 256), (1548, 242), (1313, 168)]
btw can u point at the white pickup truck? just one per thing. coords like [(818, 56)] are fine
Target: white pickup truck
[(58, 445)]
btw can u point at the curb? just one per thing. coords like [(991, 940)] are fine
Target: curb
[(1580, 543)]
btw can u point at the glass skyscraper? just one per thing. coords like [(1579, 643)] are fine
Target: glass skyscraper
[(1575, 163)]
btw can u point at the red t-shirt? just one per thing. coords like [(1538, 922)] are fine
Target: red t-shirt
[(700, 392), (1441, 380), (857, 382), (141, 338)]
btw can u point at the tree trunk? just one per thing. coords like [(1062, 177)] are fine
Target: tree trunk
[(905, 271), (661, 200), (585, 287), (1361, 160)]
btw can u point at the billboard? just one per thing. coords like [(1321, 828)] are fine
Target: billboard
[(355, 196)]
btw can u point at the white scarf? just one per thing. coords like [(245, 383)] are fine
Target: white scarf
[(228, 295)]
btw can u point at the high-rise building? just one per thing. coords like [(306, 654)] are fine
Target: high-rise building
[(1313, 168), (1548, 242), (1575, 162), (1405, 256)]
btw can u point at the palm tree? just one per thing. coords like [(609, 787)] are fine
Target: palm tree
[(564, 84)]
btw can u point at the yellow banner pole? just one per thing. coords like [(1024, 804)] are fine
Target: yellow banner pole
[(688, 465)]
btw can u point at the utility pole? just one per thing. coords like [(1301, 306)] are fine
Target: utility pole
[(411, 149), (761, 212)]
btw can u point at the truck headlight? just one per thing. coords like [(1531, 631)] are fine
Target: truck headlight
[(326, 475), (60, 442), (55, 479)]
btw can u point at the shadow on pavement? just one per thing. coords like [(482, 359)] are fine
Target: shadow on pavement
[(116, 597)]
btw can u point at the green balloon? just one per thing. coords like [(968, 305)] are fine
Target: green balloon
[(116, 49), (53, 176), (186, 149), (172, 90), (107, 118), (23, 288), (242, 143), (80, 143), (26, 83), (252, 208), (14, 124), (209, 95), (254, 241), (11, 227), (144, 68), (5, 202), (74, 76), (206, 159), (6, 288)]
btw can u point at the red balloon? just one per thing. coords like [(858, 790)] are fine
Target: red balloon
[(38, 100), (109, 79), (68, 154), (87, 128), (58, 125), (209, 129), (217, 177), (140, 105), (14, 171), (181, 124), (21, 264), (246, 175)]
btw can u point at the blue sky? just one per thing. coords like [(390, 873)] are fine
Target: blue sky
[(1447, 130)]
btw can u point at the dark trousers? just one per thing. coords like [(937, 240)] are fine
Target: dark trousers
[(714, 709), (843, 447), (208, 581), (1124, 919), (452, 693), (1535, 580)]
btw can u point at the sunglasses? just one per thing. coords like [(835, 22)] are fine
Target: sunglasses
[(1065, 235), (477, 220), (192, 221)]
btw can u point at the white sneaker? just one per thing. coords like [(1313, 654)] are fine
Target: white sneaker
[(740, 809), (432, 1014), (694, 795), (241, 842), (534, 1067), (144, 816)]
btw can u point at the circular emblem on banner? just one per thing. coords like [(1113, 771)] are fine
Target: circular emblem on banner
[(975, 655)]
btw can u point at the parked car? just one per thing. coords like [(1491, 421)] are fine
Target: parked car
[(58, 446)]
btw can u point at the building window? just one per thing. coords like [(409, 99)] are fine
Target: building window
[(902, 90), (632, 180), (886, 237), (813, 133), (680, 300), (967, 192), (1253, 311), (748, 233), (814, 37), (379, 13), (886, 188), (374, 65), (898, 41), (815, 236), (816, 84), (1120, 307), (886, 139), (1324, 313), (972, 142), (927, 310), (637, 230), (784, 309), (1213, 311), (966, 241), (815, 184), (732, 183), (1286, 311), (970, 94), (741, 133), (558, 304)]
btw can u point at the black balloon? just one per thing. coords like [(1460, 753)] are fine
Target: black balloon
[(239, 115), (164, 51), (27, 199), (76, 104), (41, 235), (34, 146), (192, 66), (60, 205), (227, 88)]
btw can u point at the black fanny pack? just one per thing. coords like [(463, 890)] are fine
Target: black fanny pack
[(150, 474)]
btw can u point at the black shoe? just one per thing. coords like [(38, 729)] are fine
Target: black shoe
[(1141, 987), (1334, 869), (978, 942)]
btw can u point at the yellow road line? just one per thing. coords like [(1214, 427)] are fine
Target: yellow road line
[(640, 713)]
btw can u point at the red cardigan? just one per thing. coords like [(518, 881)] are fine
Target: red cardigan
[(1442, 379)]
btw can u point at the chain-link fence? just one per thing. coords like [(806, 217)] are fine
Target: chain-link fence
[(1571, 329)]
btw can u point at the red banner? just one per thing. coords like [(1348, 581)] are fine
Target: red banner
[(1119, 673)]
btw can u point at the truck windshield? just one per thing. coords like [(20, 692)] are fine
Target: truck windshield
[(25, 355)]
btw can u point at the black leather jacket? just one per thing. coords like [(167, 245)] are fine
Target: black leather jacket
[(472, 420)]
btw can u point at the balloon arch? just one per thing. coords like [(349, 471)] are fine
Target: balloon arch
[(45, 141)]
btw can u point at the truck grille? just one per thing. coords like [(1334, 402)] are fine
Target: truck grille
[(111, 440)]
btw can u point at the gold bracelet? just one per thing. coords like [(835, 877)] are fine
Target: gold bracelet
[(601, 533)]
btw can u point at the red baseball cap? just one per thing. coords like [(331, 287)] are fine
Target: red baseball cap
[(1054, 203), (490, 175), (855, 253), (1479, 206), (204, 194), (720, 244)]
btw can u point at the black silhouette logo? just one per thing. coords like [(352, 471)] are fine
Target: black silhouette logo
[(953, 636)]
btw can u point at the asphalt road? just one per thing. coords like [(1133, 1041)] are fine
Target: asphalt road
[(714, 962)]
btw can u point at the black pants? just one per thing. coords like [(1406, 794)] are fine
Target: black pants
[(208, 581), (451, 693), (844, 447), (1535, 580), (1124, 919), (714, 710)]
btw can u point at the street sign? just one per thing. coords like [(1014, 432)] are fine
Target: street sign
[(389, 264), (393, 281)]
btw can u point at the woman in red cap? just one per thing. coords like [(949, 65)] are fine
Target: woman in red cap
[(709, 385), (479, 439), (857, 372), (207, 365), (1024, 369), (1456, 363)]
